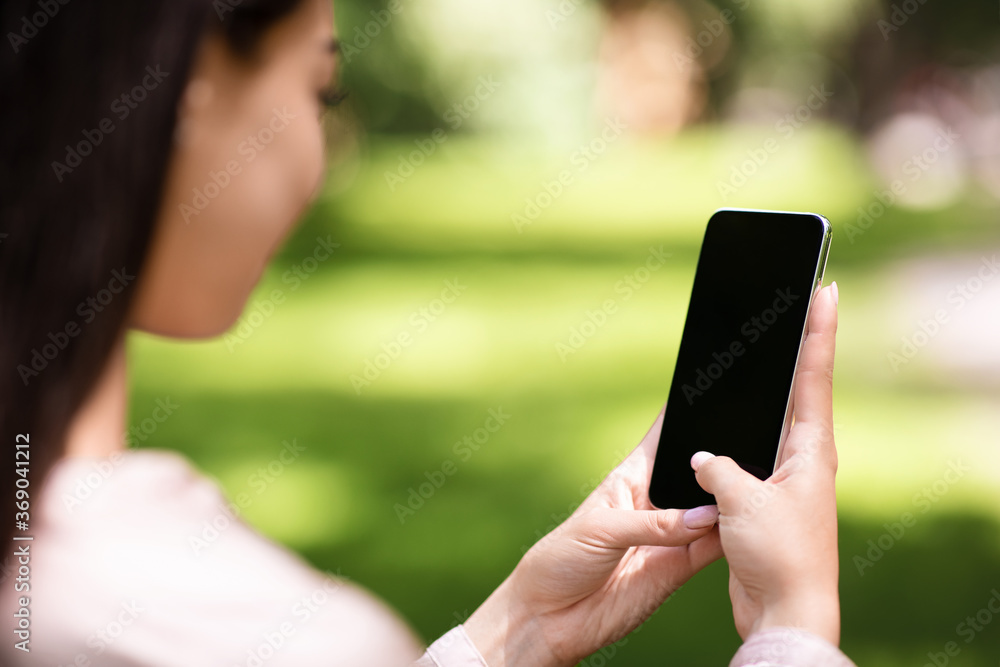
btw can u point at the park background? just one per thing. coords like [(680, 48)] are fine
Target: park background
[(524, 158)]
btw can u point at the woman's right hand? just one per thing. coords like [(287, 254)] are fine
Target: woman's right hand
[(780, 535)]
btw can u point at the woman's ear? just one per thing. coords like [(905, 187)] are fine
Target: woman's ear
[(215, 91), (197, 97)]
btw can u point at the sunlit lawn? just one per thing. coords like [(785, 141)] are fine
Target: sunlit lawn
[(288, 376)]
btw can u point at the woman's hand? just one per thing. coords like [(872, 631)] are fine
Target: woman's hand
[(780, 535), (597, 576)]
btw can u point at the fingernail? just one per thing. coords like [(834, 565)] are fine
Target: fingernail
[(836, 292), (699, 459), (701, 517)]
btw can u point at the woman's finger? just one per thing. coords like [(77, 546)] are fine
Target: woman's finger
[(620, 529), (814, 377), (652, 439)]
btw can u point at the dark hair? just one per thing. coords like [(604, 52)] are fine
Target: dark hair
[(81, 177)]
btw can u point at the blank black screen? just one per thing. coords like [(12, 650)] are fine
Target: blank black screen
[(738, 351)]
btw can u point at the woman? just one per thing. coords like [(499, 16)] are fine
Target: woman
[(147, 193)]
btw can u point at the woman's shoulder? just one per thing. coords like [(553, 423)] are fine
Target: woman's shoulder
[(86, 483), (140, 554)]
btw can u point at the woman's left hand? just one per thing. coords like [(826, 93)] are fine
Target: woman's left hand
[(599, 575)]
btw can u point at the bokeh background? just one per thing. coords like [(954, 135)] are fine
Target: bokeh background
[(523, 158)]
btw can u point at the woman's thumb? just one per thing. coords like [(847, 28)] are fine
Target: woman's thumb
[(722, 477), (620, 529)]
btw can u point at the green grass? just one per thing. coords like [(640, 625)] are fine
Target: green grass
[(572, 419)]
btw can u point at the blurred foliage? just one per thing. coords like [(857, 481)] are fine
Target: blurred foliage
[(405, 75), (387, 77)]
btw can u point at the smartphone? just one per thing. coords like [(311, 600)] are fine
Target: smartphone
[(731, 394)]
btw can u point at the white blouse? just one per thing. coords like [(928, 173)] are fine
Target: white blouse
[(116, 579)]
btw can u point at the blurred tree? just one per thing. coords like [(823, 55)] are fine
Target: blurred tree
[(910, 44), (388, 78)]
